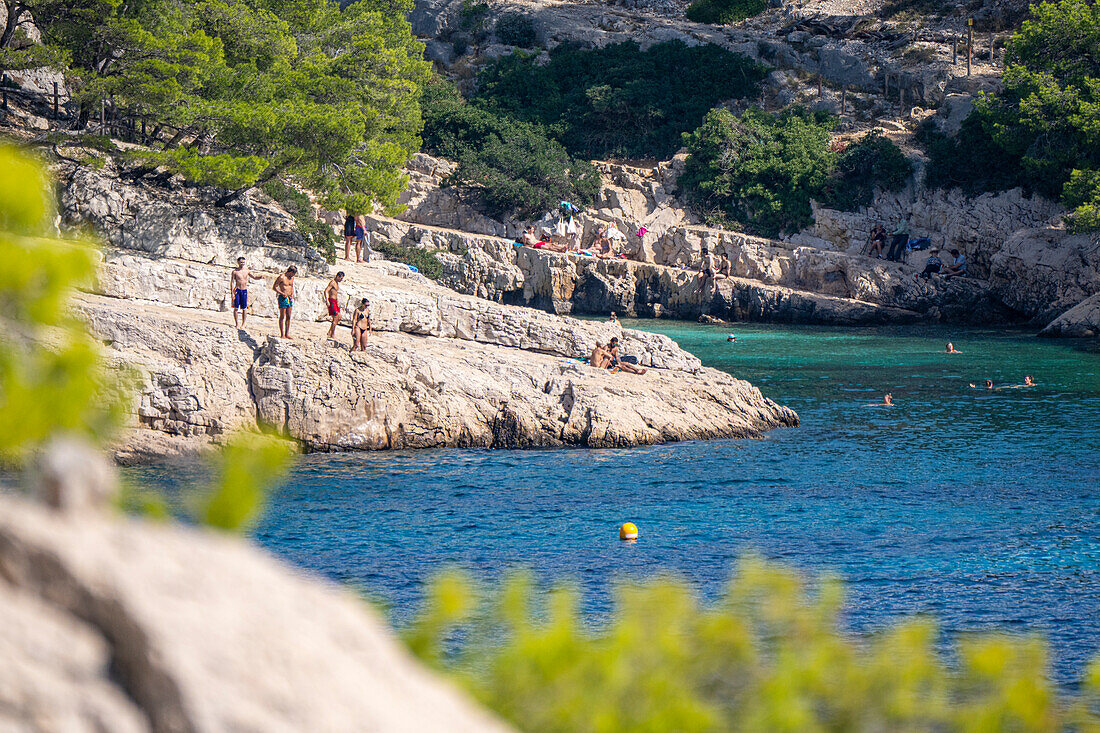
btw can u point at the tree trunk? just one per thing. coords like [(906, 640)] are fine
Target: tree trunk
[(267, 176), (15, 11)]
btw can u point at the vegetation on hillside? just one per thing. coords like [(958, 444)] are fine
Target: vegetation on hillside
[(1043, 131), (235, 93), (873, 161), (617, 100), (505, 167), (720, 12), (425, 261), (769, 656), (759, 171)]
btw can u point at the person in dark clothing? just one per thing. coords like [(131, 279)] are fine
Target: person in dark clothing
[(349, 235), (931, 266), (901, 240)]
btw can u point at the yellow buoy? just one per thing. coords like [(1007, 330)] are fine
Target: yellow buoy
[(628, 531)]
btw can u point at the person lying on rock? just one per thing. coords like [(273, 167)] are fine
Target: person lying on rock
[(724, 268), (528, 237), (957, 268), (284, 289), (617, 363), (932, 265), (360, 325), (600, 357), (238, 286), (332, 300)]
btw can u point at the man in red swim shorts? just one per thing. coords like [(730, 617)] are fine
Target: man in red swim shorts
[(332, 297)]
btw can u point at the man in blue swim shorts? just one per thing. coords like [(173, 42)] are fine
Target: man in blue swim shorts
[(284, 288), (238, 287)]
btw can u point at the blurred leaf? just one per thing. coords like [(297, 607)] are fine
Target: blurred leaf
[(244, 471)]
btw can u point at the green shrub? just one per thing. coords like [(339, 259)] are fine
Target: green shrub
[(760, 170), (720, 12), (515, 29), (298, 205), (425, 261), (504, 167), (769, 656), (1045, 125), (872, 162), (617, 100)]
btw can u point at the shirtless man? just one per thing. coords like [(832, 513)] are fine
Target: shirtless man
[(284, 289), (706, 266), (238, 286), (529, 239), (951, 349), (613, 350), (332, 300), (599, 358), (360, 325)]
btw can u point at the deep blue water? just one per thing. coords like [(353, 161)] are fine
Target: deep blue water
[(982, 508)]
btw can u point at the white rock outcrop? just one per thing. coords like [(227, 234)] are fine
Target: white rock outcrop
[(109, 624)]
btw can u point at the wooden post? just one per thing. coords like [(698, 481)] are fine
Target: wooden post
[(55, 100), (969, 44), (991, 48)]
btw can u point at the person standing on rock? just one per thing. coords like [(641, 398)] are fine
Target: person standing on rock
[(360, 326), (900, 241), (349, 235), (706, 266), (360, 237), (332, 300), (284, 289), (238, 286)]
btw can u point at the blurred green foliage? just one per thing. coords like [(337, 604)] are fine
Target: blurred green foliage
[(720, 12), (42, 390), (617, 101), (1043, 131), (505, 167), (245, 470), (873, 161), (770, 656), (758, 171)]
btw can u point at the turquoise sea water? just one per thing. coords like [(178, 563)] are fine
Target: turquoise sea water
[(982, 508)]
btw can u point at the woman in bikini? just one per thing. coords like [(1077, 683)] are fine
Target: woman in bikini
[(360, 326)]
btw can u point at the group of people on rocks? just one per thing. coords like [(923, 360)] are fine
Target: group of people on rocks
[(899, 245), (566, 237), (283, 286), (602, 357)]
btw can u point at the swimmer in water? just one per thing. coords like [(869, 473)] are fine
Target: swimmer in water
[(951, 349), (887, 401), (731, 338), (988, 384), (1028, 382)]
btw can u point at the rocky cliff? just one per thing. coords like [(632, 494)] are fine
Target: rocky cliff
[(113, 624), (443, 368)]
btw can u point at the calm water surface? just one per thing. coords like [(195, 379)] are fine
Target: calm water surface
[(982, 508)]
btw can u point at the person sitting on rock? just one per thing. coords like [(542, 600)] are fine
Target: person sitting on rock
[(724, 268), (360, 326), (528, 237), (878, 240), (706, 266), (932, 265), (600, 357), (618, 363), (957, 268)]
